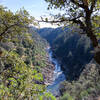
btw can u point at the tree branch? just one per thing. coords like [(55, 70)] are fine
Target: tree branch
[(93, 5), (60, 20), (79, 22), (74, 20), (7, 28), (80, 5)]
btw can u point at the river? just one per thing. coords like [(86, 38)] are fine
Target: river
[(58, 76)]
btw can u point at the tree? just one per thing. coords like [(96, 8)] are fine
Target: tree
[(84, 13), (13, 23)]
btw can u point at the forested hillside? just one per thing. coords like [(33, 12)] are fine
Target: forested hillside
[(41, 62), (75, 52), (22, 59), (72, 49), (87, 87), (50, 34)]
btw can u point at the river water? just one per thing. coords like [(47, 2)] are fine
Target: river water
[(58, 76)]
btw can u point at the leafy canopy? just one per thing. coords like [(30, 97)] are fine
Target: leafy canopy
[(14, 23), (74, 10)]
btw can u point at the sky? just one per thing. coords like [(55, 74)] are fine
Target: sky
[(35, 8)]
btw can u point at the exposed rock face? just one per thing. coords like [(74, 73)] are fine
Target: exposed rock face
[(48, 72)]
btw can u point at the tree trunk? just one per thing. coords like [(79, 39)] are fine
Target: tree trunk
[(91, 35)]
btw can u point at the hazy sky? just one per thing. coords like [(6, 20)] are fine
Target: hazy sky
[(36, 8)]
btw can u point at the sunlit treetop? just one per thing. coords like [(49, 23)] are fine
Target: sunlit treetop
[(14, 23)]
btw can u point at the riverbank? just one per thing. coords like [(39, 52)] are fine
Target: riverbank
[(48, 71), (58, 75)]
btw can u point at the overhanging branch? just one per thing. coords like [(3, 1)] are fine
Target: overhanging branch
[(80, 5), (74, 20)]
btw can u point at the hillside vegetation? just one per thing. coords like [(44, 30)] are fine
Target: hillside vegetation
[(22, 58), (75, 54), (73, 50), (25, 66), (87, 87)]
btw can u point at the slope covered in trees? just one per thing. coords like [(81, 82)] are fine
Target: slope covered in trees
[(87, 87), (22, 58), (50, 34), (72, 49), (24, 66), (75, 53)]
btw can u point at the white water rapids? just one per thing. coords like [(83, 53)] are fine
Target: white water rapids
[(58, 75)]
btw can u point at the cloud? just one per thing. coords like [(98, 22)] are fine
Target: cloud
[(44, 24)]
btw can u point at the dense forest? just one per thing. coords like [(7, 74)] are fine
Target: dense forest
[(22, 59), (76, 58), (70, 48), (26, 53)]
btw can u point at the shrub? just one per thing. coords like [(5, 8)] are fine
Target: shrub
[(66, 96), (20, 51), (47, 96)]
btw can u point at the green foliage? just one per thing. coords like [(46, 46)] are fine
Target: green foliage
[(66, 97), (20, 51), (84, 94), (47, 96), (38, 77), (86, 87), (71, 8), (19, 79), (13, 23), (23, 53), (96, 25)]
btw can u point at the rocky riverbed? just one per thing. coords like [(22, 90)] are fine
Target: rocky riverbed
[(57, 75), (48, 72), (53, 75)]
